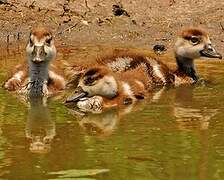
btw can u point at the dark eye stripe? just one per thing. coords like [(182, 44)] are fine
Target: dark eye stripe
[(89, 80), (31, 42), (91, 72), (48, 41), (189, 38)]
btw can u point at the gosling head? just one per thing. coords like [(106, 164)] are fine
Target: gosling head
[(40, 47), (195, 43), (96, 81)]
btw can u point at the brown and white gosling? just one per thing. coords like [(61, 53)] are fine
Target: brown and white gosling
[(40, 52), (191, 44), (101, 88)]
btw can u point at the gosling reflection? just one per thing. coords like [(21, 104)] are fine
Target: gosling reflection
[(190, 113), (40, 128), (101, 125)]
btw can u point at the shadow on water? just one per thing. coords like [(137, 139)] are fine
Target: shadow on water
[(178, 134)]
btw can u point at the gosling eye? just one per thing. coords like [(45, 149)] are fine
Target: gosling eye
[(89, 81), (194, 40), (48, 41)]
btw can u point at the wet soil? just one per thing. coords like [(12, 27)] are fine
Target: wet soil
[(137, 23)]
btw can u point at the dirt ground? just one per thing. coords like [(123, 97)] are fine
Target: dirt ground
[(141, 23)]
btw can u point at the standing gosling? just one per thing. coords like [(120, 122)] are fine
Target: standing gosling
[(40, 52)]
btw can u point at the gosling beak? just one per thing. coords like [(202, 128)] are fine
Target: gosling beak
[(38, 54), (210, 52), (79, 93)]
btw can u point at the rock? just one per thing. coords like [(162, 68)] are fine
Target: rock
[(99, 21), (159, 48), (134, 22), (85, 22), (3, 2), (118, 10)]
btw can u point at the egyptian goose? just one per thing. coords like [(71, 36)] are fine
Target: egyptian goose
[(99, 88), (191, 44), (40, 52)]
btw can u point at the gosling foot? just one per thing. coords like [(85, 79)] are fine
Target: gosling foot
[(93, 104), (12, 84)]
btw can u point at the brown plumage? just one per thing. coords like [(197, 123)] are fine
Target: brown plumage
[(188, 33), (100, 88), (41, 31), (40, 52), (191, 44), (137, 75)]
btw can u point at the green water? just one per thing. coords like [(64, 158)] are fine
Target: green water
[(177, 136)]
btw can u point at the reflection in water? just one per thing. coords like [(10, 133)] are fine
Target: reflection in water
[(102, 123), (187, 116), (40, 128)]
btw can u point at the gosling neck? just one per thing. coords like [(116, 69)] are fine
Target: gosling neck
[(38, 71), (185, 67), (38, 77)]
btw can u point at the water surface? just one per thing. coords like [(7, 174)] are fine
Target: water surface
[(178, 135)]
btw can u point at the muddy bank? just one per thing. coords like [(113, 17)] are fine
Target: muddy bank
[(139, 23)]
